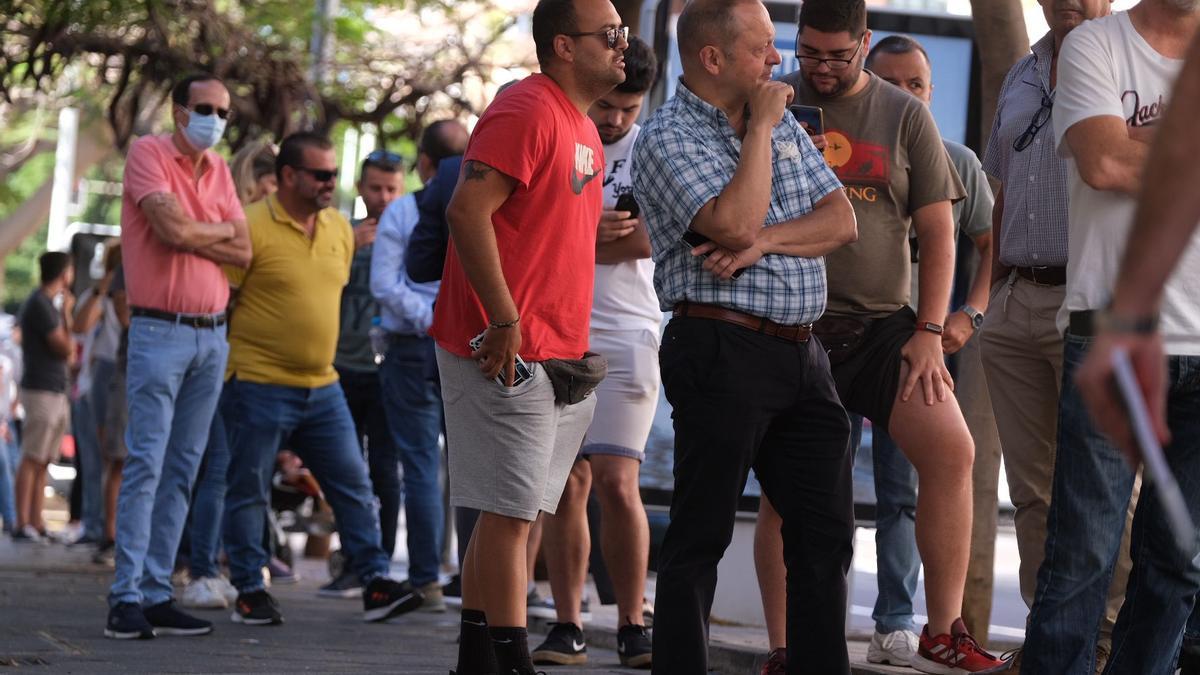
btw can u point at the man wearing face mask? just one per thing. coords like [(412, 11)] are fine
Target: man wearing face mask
[(282, 389), (180, 221)]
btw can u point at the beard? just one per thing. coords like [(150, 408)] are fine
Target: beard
[(841, 83), (1183, 5)]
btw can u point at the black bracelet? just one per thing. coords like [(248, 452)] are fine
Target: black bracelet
[(1127, 325), (504, 324)]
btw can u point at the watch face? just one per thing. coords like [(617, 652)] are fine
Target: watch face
[(977, 320)]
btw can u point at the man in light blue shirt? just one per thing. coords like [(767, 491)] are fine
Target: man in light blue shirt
[(408, 374)]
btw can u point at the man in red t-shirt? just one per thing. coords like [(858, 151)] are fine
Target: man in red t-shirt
[(519, 275)]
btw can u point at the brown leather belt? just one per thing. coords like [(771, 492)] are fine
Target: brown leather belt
[(754, 323), (1043, 276)]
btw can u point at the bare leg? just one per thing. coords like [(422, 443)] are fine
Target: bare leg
[(625, 532), (37, 497), (568, 544), (493, 581), (772, 573), (533, 545), (936, 440), (26, 473), (112, 487)]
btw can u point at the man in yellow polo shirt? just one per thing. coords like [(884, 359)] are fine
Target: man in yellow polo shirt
[(281, 388)]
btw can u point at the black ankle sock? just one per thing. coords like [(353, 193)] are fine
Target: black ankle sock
[(475, 655), (511, 645)]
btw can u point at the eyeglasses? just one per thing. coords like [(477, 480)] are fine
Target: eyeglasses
[(207, 109), (833, 64), (322, 175), (384, 157), (611, 35), (1035, 125)]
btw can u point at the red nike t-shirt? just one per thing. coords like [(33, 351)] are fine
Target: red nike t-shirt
[(545, 231)]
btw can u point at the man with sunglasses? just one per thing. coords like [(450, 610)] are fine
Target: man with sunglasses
[(180, 221), (282, 389), (884, 146), (380, 182), (1114, 83), (516, 290), (1021, 346)]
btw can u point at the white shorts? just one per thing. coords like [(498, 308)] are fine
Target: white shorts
[(627, 397)]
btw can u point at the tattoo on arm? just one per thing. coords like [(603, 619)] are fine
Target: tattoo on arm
[(473, 170)]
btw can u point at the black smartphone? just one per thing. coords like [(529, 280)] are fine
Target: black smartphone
[(626, 202), (811, 117), (693, 239)]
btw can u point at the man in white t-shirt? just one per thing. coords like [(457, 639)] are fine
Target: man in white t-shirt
[(1114, 77), (624, 328)]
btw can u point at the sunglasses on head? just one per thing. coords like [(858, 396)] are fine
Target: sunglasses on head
[(385, 157), (322, 175), (207, 109)]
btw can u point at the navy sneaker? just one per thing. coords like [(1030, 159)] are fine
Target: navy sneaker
[(564, 646), (168, 620), (256, 608), (633, 646), (345, 586), (127, 622), (384, 598)]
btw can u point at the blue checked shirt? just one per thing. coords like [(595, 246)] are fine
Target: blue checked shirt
[(685, 156), (1034, 223)]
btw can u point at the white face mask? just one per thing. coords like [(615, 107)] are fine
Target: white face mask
[(203, 131)]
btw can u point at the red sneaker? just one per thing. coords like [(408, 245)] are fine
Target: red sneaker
[(954, 654), (776, 662)]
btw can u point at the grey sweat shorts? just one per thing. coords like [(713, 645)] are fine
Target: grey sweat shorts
[(510, 449)]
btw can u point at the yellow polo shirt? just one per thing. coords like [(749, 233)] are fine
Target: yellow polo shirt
[(284, 328)]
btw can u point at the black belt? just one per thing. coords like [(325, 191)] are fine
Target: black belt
[(191, 320), (1082, 323), (1043, 276)]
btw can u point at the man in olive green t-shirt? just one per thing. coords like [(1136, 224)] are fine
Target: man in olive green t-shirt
[(887, 359)]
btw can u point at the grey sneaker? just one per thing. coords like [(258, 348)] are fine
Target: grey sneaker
[(434, 600)]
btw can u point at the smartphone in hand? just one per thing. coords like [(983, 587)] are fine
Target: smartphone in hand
[(693, 239), (521, 371), (626, 202), (811, 117)]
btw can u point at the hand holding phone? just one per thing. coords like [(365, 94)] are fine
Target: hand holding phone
[(521, 371), (811, 117), (693, 239), (626, 202)]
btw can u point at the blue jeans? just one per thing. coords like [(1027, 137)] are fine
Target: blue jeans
[(898, 562), (173, 381), (9, 460), (1090, 496), (413, 400), (364, 397), (91, 468), (316, 425), (208, 504)]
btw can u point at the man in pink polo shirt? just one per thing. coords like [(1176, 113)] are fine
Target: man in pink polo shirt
[(180, 221)]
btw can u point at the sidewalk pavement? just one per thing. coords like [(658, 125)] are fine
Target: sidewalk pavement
[(52, 600)]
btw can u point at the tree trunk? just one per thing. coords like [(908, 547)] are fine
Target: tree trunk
[(1002, 38), (95, 144)]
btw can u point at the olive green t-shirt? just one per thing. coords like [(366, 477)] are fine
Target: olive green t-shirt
[(885, 147)]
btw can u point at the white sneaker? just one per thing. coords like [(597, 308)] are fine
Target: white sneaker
[(223, 588), (200, 594), (896, 648)]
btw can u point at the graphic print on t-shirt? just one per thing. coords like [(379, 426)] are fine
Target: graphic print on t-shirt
[(857, 162), (1139, 115), (585, 167)]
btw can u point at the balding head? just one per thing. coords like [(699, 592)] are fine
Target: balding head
[(708, 23), (442, 139)]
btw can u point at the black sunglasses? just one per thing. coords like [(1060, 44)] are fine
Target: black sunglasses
[(1035, 125), (611, 35), (322, 175), (207, 109)]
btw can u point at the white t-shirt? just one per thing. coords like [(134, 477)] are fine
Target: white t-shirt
[(1106, 68), (623, 296)]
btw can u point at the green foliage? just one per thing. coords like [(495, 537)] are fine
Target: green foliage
[(21, 270)]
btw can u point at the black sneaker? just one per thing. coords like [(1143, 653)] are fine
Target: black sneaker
[(167, 620), (564, 646), (256, 608), (452, 591), (633, 646), (127, 622), (345, 586), (384, 598)]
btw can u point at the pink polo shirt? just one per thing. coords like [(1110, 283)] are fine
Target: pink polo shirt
[(158, 276)]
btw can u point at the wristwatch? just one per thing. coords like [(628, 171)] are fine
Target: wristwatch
[(974, 315), (931, 327)]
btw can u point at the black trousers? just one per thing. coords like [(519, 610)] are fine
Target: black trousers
[(744, 400)]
